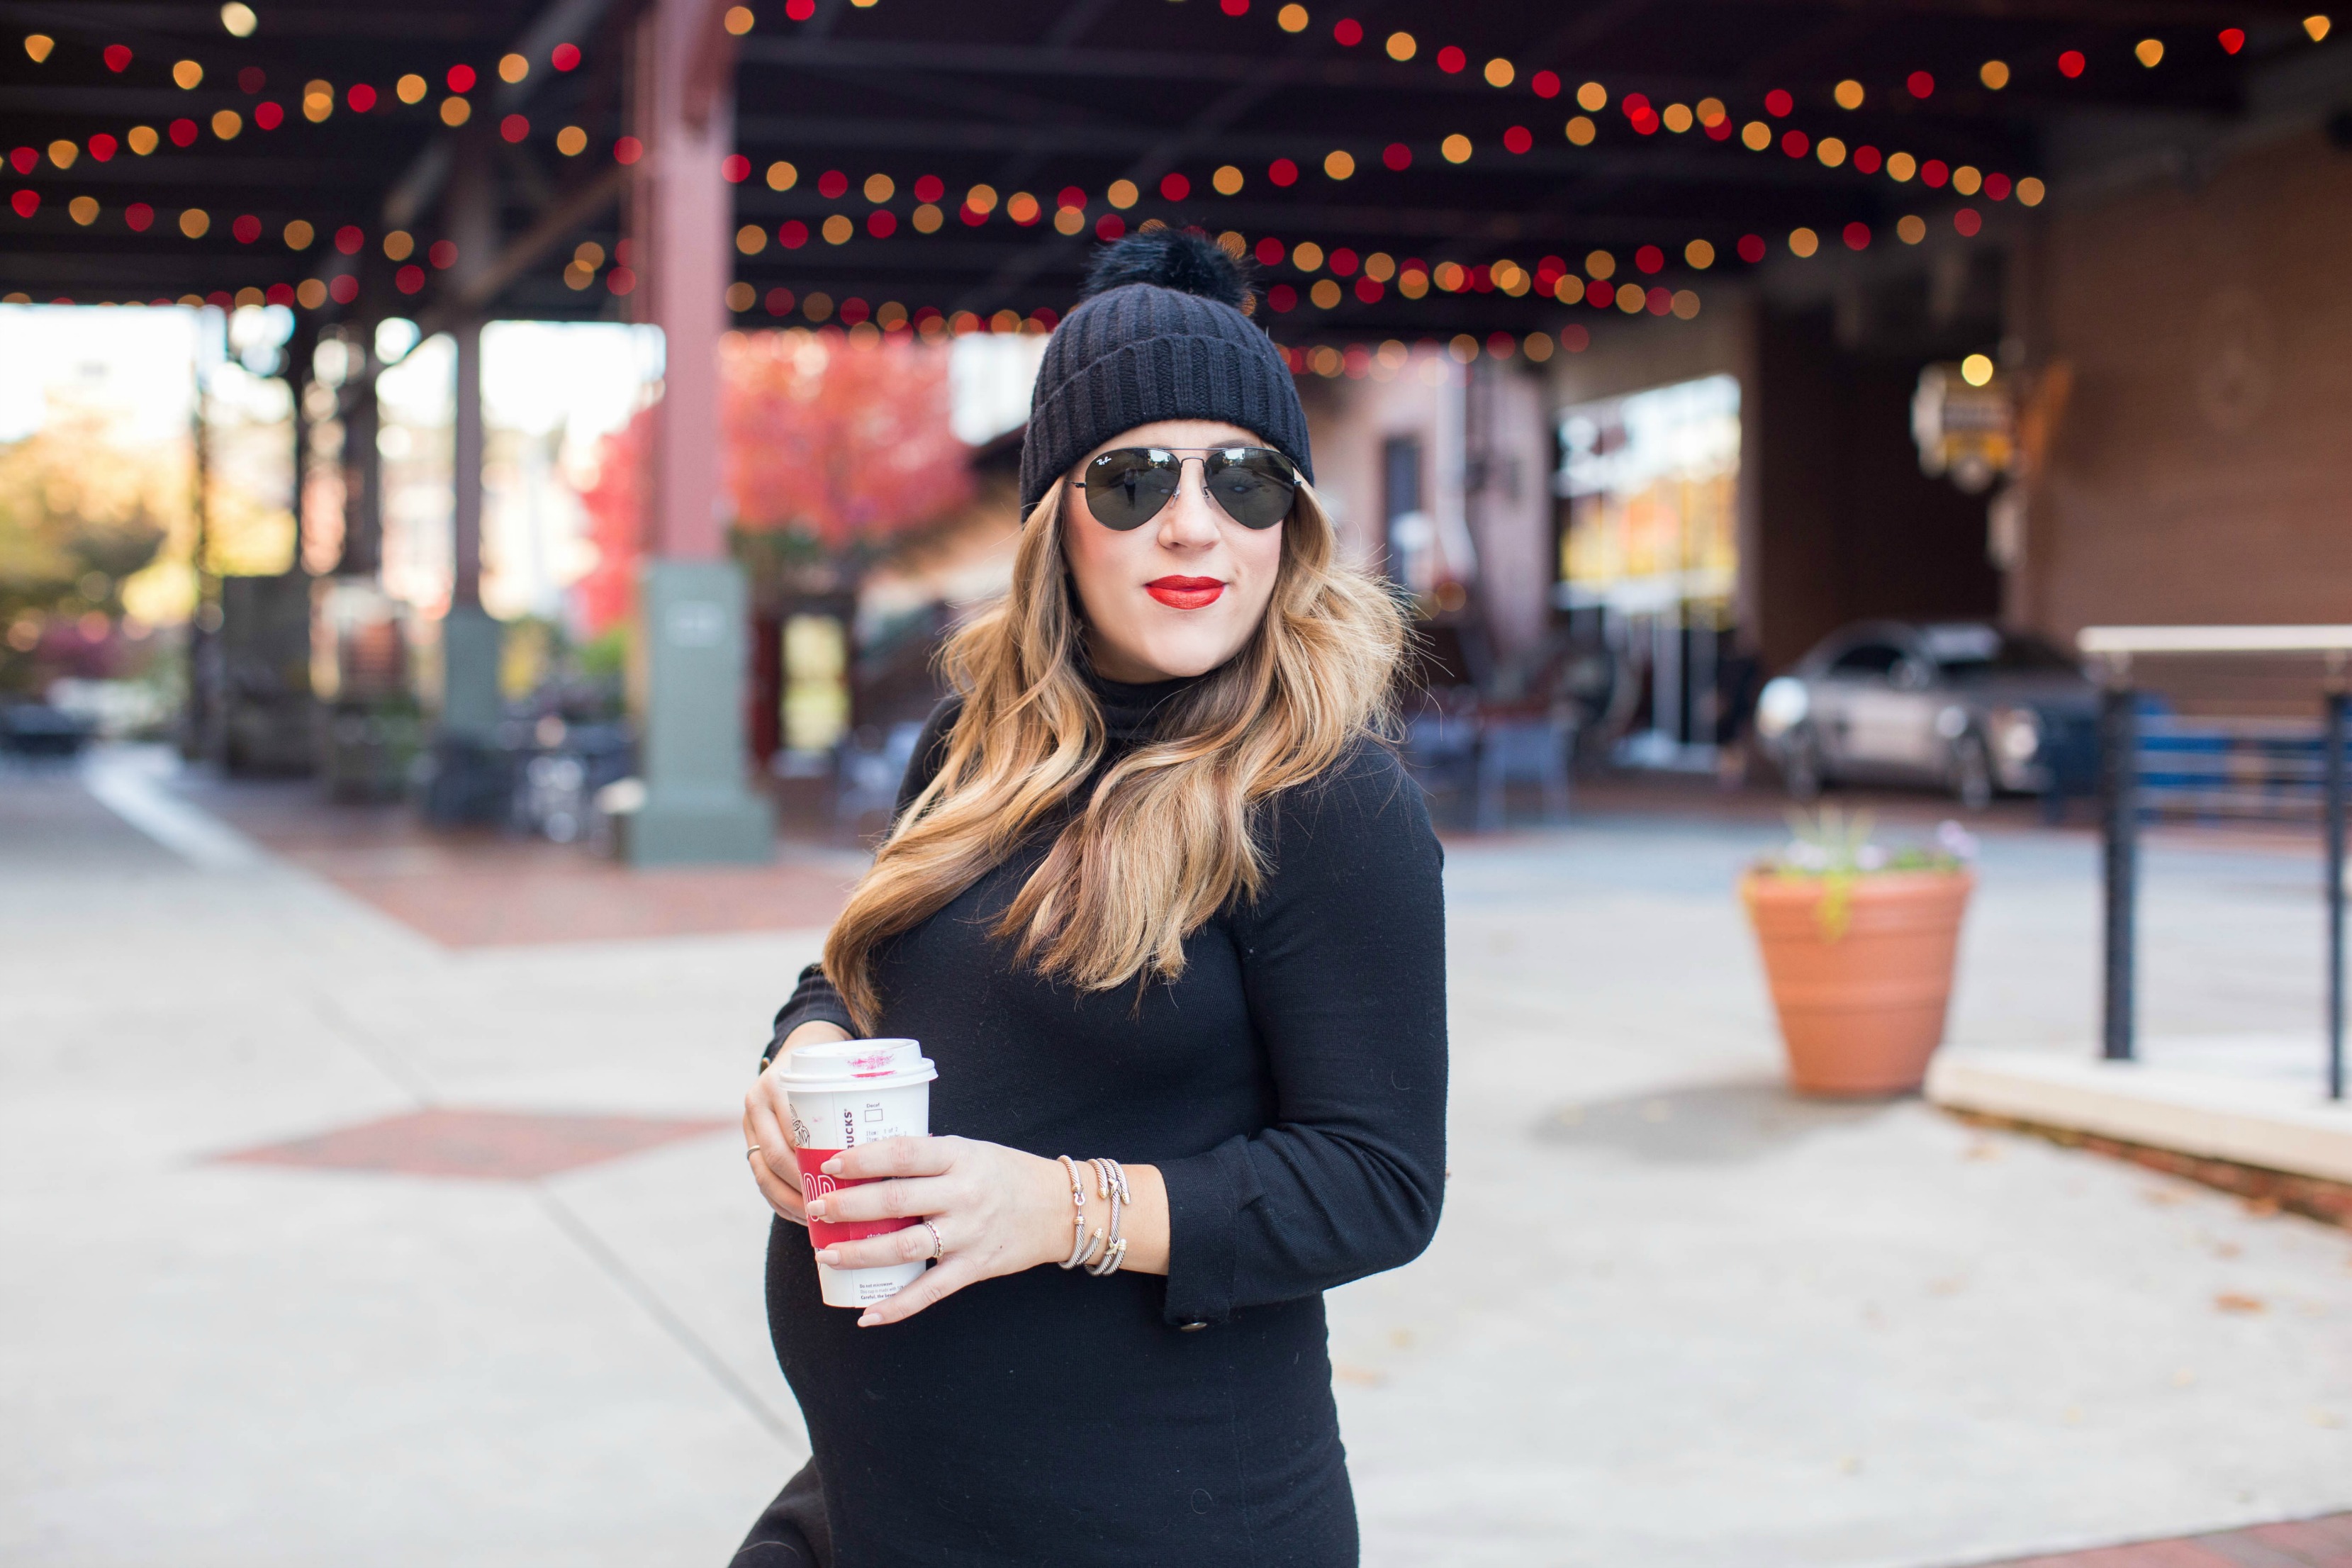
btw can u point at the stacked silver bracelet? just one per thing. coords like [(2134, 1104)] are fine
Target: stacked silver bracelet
[(1111, 1184), (1082, 1246)]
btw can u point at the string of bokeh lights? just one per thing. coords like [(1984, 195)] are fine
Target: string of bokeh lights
[(1071, 205), (1370, 275), (1403, 47), (890, 321), (1024, 209), (981, 202), (319, 103), (1710, 115), (861, 323), (1644, 119)]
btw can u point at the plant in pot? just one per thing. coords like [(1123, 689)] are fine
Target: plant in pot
[(1858, 945)]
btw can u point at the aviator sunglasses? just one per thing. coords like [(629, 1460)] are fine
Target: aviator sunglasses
[(1126, 487)]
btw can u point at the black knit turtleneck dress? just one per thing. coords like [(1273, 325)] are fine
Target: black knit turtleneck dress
[(1291, 1088)]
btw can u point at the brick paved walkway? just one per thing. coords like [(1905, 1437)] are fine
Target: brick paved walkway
[(2306, 1543), (481, 889), (485, 1145)]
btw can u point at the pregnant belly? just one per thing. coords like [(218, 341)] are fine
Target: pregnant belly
[(950, 1438)]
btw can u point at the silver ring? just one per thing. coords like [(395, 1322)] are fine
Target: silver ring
[(938, 1248), (751, 1151)]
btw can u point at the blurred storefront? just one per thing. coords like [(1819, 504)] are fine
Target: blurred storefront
[(1649, 550), (2158, 369)]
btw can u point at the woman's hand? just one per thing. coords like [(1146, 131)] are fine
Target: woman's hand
[(997, 1211), (768, 1127)]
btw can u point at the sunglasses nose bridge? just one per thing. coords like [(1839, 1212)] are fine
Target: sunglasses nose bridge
[(1174, 514), (1176, 490)]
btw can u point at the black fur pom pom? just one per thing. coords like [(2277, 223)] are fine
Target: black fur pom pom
[(1185, 259)]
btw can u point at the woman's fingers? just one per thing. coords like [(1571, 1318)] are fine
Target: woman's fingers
[(785, 1199), (905, 1198), (936, 1285), (895, 1157), (782, 1196), (774, 1139), (772, 1094), (911, 1245)]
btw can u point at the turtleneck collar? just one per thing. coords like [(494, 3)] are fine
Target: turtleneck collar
[(1132, 708)]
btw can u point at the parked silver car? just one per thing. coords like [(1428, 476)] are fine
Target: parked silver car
[(1960, 706)]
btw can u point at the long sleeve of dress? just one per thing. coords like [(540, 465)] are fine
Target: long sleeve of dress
[(1344, 969), (815, 999)]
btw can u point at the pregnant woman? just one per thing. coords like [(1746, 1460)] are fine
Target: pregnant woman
[(1157, 899)]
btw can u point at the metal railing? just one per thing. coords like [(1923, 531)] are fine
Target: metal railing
[(2112, 649), (2204, 769)]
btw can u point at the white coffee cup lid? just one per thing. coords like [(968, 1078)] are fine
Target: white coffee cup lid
[(854, 1064)]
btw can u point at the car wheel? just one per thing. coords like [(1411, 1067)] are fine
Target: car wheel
[(1971, 771), (1800, 767)]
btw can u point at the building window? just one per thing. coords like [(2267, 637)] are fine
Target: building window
[(1408, 534)]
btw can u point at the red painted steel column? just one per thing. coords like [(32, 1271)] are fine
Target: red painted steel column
[(681, 216), (693, 621)]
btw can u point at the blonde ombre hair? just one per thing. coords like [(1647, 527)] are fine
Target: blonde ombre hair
[(1170, 833)]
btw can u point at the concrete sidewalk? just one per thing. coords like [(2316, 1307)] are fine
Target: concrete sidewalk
[(1716, 1326), (1673, 1316)]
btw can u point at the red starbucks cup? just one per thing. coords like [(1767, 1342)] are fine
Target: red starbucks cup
[(843, 1093)]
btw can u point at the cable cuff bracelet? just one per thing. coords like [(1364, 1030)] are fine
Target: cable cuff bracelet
[(1110, 1183), (1082, 1246)]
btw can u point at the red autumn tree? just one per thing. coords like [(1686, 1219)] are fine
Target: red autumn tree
[(613, 502), (848, 443), (843, 447)]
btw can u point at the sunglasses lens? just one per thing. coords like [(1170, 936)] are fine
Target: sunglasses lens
[(1125, 489), (1255, 486)]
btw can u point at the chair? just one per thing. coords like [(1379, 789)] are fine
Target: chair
[(1441, 751), (1530, 747), (867, 770)]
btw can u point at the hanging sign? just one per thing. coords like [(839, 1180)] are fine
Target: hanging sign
[(1964, 424)]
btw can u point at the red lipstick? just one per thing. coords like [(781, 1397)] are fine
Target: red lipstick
[(1186, 593)]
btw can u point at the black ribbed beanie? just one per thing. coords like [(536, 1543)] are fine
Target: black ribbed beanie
[(1158, 335)]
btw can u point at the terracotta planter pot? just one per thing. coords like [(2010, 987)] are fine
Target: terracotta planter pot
[(1860, 998)]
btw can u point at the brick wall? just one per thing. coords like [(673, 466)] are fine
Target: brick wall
[(2202, 470)]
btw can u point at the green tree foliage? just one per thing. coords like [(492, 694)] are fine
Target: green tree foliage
[(77, 517)]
